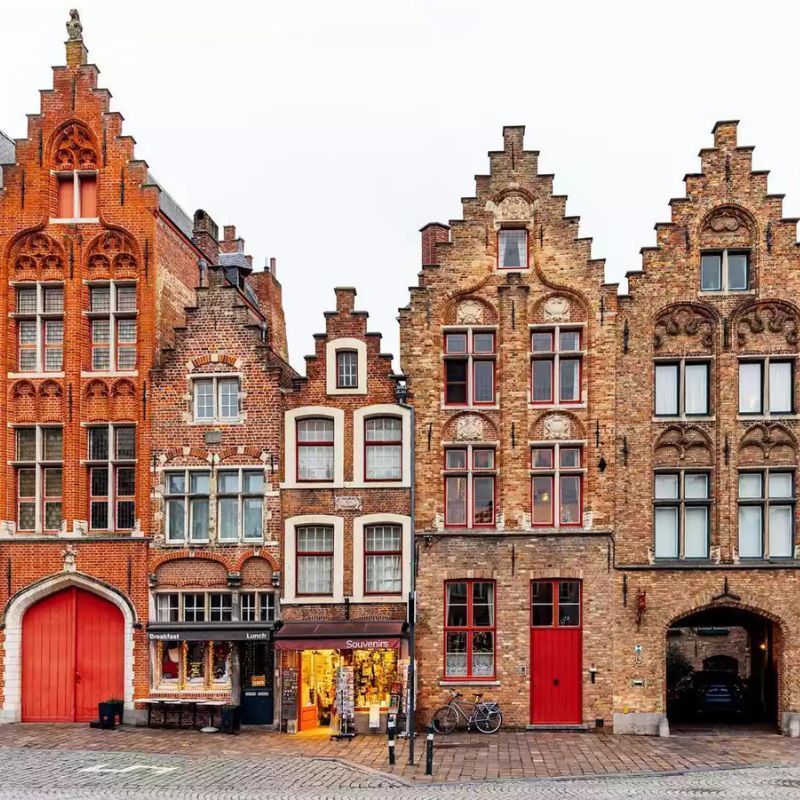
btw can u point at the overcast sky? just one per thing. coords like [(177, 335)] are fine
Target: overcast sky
[(330, 131)]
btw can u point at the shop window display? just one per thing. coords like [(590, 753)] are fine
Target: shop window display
[(194, 665)]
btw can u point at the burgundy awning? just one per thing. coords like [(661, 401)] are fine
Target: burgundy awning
[(349, 635)]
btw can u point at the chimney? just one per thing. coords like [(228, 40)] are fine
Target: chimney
[(345, 299), (270, 301), (272, 267), (230, 242), (204, 234), (725, 134), (432, 234)]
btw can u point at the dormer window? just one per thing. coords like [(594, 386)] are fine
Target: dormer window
[(77, 195), (725, 271), (346, 369), (512, 249)]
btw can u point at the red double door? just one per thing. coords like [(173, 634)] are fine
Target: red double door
[(556, 634), (72, 657)]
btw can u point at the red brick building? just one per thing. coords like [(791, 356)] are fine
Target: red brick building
[(347, 535), (506, 344)]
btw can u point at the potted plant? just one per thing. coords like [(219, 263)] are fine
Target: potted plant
[(230, 718)]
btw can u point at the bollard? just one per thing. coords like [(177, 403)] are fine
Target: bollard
[(429, 752), (391, 728)]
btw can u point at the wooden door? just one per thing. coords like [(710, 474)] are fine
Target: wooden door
[(556, 637), (72, 657)]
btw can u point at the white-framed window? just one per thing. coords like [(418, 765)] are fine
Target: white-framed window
[(111, 465), (240, 504), (346, 369), (216, 398), (556, 364), (383, 559), (725, 271), (512, 248), (186, 496), (682, 502), (76, 195), (257, 606), (766, 513), (40, 327), (315, 449), (681, 388), (38, 466), (314, 554), (383, 446), (112, 316), (766, 386), (557, 485)]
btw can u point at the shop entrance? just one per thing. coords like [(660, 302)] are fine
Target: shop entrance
[(317, 690), (257, 695), (72, 656), (722, 668)]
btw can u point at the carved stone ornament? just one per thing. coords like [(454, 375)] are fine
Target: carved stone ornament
[(724, 223), (729, 222), (112, 249), (684, 321), (512, 208), (556, 309), (767, 436), (772, 317), (469, 312), (347, 503), (74, 148), (469, 428), (39, 252), (74, 26), (557, 427), (681, 439)]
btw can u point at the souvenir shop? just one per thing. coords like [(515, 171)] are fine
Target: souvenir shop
[(343, 676)]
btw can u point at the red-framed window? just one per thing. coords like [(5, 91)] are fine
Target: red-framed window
[(383, 559), (315, 450), (556, 604), (512, 248), (557, 485), (346, 369), (470, 629), (556, 365), (314, 560), (470, 486), (76, 195), (469, 367), (383, 449)]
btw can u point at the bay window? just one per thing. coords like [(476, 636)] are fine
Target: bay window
[(766, 386), (766, 513), (186, 498), (681, 511), (314, 560), (512, 248), (556, 365), (557, 485), (383, 443), (725, 271), (40, 327), (216, 398), (681, 388), (469, 367), (39, 477), (240, 504), (315, 449), (111, 464), (383, 558), (469, 629), (112, 317), (469, 486)]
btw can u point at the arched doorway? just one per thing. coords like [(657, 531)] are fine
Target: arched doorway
[(722, 666), (72, 656)]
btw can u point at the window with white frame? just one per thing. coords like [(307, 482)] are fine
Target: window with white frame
[(40, 327), (383, 445), (725, 271), (682, 514), (556, 365), (469, 486), (220, 607), (314, 553), (257, 606), (383, 559), (186, 496), (512, 248), (194, 606), (315, 449), (766, 386), (557, 485), (240, 504), (346, 369), (111, 463), (681, 388), (766, 513), (39, 455), (112, 316), (76, 195), (469, 367), (216, 398)]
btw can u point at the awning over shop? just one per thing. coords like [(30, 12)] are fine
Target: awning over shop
[(349, 635), (232, 632)]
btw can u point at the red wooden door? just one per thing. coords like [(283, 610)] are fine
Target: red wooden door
[(556, 636), (72, 657)]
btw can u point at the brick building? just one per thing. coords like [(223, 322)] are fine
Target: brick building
[(97, 264), (706, 473), (505, 344), (347, 537), (214, 567)]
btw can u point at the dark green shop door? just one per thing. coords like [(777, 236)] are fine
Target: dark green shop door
[(257, 699)]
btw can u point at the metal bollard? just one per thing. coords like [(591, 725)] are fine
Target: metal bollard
[(391, 728), (429, 752)]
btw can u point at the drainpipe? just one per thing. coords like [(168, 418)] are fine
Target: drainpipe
[(401, 395)]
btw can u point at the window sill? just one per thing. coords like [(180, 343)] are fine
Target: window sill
[(402, 484), (469, 682), (110, 373), (216, 422), (316, 600), (34, 375), (312, 485), (685, 418), (726, 292), (554, 406), (74, 220), (471, 407), (776, 417)]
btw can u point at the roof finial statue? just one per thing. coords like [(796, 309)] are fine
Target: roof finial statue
[(74, 26)]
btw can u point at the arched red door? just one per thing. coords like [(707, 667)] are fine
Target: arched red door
[(72, 656)]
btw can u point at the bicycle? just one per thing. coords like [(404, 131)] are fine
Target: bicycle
[(485, 716)]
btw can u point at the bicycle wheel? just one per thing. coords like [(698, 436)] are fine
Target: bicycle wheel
[(488, 720), (445, 720)]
